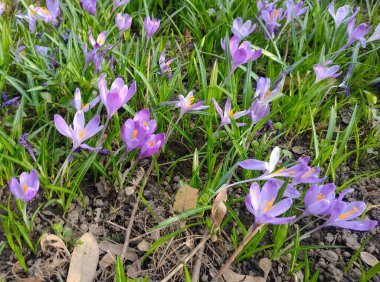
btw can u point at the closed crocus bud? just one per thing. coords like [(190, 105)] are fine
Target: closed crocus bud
[(123, 22), (89, 6), (27, 187), (151, 26)]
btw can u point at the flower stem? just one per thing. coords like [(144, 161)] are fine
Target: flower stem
[(25, 216), (253, 231)]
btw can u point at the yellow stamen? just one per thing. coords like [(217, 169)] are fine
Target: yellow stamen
[(349, 213), (320, 197), (25, 187), (100, 41), (84, 105), (45, 10), (189, 102), (231, 112), (82, 133), (278, 171), (267, 207), (267, 94), (145, 123), (151, 143), (308, 173), (134, 134), (276, 13)]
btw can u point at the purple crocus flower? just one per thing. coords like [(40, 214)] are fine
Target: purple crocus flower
[(2, 8), (88, 57), (32, 18), (271, 19), (165, 66), (50, 13), (340, 14), (253, 164), (25, 189), (79, 132), (99, 41), (118, 3), (293, 11), (98, 60), (342, 214), (123, 22), (7, 103), (187, 104), (240, 54), (261, 204), (151, 145), (41, 50), (143, 117), (241, 29), (319, 199), (375, 35), (85, 107), (357, 33), (25, 143), (150, 26), (265, 5), (117, 96), (309, 176), (323, 72), (89, 6), (228, 113)]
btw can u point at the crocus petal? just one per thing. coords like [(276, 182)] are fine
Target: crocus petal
[(15, 188), (92, 127), (62, 126), (103, 89), (253, 164), (217, 107), (274, 158), (87, 147), (358, 225), (281, 207), (318, 207)]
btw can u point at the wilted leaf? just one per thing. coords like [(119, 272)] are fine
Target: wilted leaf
[(185, 199), (134, 270), (219, 210), (84, 260), (143, 246), (114, 250), (231, 276), (51, 240), (368, 258), (266, 265)]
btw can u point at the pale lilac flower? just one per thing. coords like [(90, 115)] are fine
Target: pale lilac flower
[(309, 176), (79, 132), (253, 164), (98, 60), (123, 22), (151, 145), (32, 18), (265, 5), (25, 189), (375, 35), (357, 33), (118, 3), (41, 50), (150, 26), (323, 72), (293, 11), (187, 104), (319, 199), (242, 30), (143, 117), (88, 57), (50, 13), (25, 143), (271, 19), (89, 6), (340, 14), (262, 204), (85, 107), (99, 41), (165, 66), (2, 8), (117, 96), (228, 113), (342, 215)]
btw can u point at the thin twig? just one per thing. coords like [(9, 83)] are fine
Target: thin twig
[(198, 263), (186, 259), (129, 229)]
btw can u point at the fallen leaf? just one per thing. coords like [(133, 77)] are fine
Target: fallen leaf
[(143, 246), (185, 199), (51, 240), (84, 260), (112, 250), (219, 209), (266, 265), (368, 258), (134, 270), (231, 276)]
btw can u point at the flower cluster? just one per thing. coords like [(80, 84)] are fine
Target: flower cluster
[(48, 14)]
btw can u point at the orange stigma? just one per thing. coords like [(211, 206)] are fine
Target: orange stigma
[(145, 123), (349, 213), (308, 173), (45, 10), (134, 134), (320, 197), (25, 187), (267, 207), (151, 143), (84, 105), (82, 133)]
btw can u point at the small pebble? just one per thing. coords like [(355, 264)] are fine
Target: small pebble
[(346, 254), (176, 178)]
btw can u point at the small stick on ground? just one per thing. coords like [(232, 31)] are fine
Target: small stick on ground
[(186, 259), (129, 229), (198, 263)]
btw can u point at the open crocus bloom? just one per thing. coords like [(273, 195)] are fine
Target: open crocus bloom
[(123, 22), (187, 104), (117, 96), (25, 189), (271, 19), (292, 11), (253, 164), (118, 3), (49, 13), (319, 199), (165, 66), (357, 33), (228, 113), (241, 29), (262, 204), (342, 214), (375, 35), (85, 107), (322, 72), (151, 145), (151, 26), (32, 18), (340, 14), (99, 41), (79, 133), (89, 6)]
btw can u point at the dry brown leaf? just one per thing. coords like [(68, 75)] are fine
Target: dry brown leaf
[(368, 258), (16, 268), (143, 246), (266, 265), (135, 182), (185, 199), (51, 240), (219, 210), (114, 250), (84, 260), (231, 276), (134, 270), (107, 260)]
